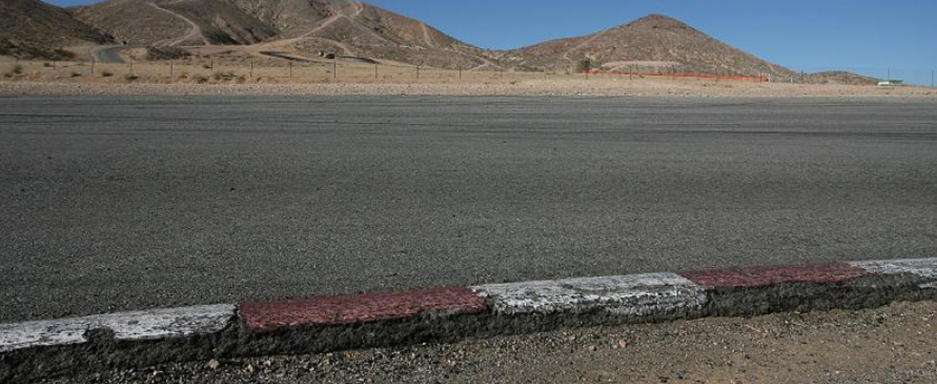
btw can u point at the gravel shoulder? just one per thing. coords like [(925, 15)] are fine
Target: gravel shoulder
[(603, 87), (882, 345)]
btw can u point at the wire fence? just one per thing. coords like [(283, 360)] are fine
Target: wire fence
[(912, 76), (333, 71), (352, 71)]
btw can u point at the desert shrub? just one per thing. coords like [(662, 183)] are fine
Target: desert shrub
[(165, 53), (223, 76), (106, 74), (17, 69), (199, 79), (206, 66), (47, 65), (76, 74), (28, 52), (130, 77)]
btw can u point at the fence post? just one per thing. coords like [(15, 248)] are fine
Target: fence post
[(131, 66), (417, 72), (460, 74), (252, 68), (932, 78), (334, 69), (170, 69), (291, 69), (211, 64), (53, 64), (375, 71), (92, 65)]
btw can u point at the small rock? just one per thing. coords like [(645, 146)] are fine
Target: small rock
[(622, 343), (268, 363), (213, 364), (929, 363), (249, 369), (593, 348)]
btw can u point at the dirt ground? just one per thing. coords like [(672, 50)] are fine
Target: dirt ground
[(894, 344), (349, 78)]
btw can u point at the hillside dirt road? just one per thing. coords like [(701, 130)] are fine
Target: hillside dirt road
[(885, 345)]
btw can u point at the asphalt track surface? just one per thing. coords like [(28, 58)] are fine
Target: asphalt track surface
[(137, 202), (109, 54)]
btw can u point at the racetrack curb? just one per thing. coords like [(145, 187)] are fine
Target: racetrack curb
[(36, 349)]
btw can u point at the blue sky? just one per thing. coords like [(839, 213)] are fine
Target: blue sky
[(864, 36)]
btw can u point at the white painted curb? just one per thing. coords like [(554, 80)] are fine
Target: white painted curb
[(926, 268), (634, 295), (140, 325)]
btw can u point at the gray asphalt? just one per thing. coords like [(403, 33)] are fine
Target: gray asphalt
[(109, 54), (137, 202)]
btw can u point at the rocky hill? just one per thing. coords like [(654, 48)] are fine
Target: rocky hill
[(358, 30), (842, 77), (347, 28), (653, 42), (33, 23)]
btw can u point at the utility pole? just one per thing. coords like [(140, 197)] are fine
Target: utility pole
[(932, 78)]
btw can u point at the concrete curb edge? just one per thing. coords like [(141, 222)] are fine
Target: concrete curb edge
[(244, 329)]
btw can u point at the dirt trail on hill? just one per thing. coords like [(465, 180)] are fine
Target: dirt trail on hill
[(195, 32)]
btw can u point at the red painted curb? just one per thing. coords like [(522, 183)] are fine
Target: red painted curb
[(762, 276), (355, 309)]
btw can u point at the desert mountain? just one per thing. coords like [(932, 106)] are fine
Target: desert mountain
[(652, 42), (37, 24), (356, 29), (842, 77), (347, 28)]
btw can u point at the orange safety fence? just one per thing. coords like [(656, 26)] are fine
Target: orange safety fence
[(680, 75)]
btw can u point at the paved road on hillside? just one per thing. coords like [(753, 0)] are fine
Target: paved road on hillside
[(109, 54), (125, 203)]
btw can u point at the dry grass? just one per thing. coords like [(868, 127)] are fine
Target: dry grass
[(352, 78)]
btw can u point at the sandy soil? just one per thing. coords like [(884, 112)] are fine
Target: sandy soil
[(349, 78), (893, 344)]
